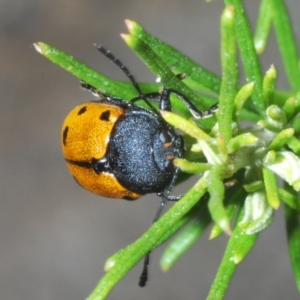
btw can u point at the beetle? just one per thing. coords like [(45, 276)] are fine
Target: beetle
[(117, 149)]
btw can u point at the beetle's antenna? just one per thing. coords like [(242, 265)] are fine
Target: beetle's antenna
[(116, 61)]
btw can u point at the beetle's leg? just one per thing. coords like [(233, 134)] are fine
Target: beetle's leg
[(154, 96), (164, 198), (161, 97), (144, 274), (88, 87), (146, 97), (165, 104), (165, 195)]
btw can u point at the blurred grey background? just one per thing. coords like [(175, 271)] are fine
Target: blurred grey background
[(55, 236)]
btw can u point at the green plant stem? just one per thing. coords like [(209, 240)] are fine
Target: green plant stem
[(287, 43), (263, 26), (216, 191), (271, 188), (290, 198), (230, 74), (248, 53), (269, 85)]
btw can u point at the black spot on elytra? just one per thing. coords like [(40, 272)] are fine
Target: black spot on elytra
[(81, 111), (65, 135), (105, 115)]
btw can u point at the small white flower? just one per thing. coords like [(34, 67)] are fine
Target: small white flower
[(258, 213), (286, 165)]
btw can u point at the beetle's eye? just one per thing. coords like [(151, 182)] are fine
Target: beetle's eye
[(165, 136)]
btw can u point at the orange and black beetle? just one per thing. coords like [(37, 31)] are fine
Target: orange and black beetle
[(117, 149)]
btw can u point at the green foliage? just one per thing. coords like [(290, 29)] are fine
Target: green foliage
[(223, 152)]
